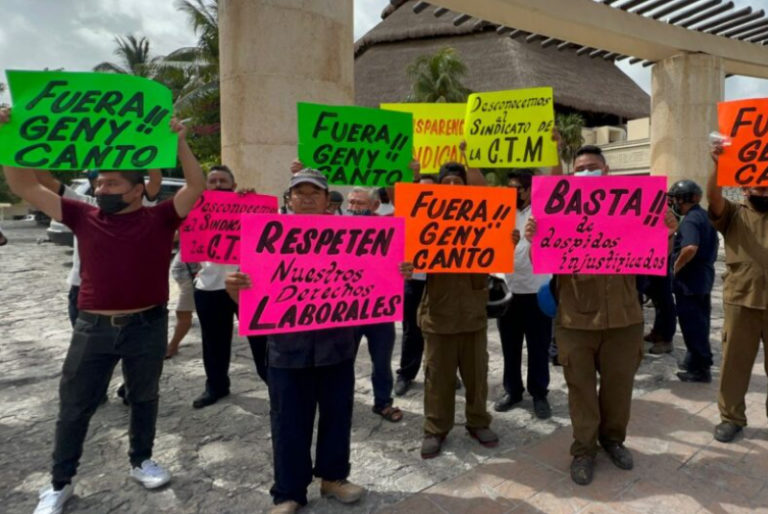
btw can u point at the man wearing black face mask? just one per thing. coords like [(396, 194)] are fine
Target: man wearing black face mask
[(693, 264), (125, 250), (745, 295)]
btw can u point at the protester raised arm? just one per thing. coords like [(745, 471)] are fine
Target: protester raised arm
[(24, 184), (186, 197), (475, 177), (715, 192)]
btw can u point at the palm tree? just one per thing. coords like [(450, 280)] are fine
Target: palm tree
[(135, 57), (569, 126), (201, 61), (437, 78)]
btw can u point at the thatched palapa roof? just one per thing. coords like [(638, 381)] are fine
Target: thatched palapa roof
[(590, 85)]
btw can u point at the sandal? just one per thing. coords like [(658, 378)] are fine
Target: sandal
[(390, 413)]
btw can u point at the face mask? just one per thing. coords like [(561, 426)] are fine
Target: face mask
[(364, 212), (111, 204), (760, 203), (588, 173)]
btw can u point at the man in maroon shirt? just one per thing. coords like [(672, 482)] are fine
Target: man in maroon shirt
[(125, 250)]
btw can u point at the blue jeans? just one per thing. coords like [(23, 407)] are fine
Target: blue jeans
[(295, 396), (95, 349), (381, 343)]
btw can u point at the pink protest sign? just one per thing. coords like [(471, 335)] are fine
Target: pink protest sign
[(211, 232), (315, 272), (600, 225)]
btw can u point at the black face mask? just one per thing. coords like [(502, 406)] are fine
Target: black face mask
[(760, 203), (111, 204), (363, 212)]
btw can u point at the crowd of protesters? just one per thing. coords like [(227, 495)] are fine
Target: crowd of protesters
[(120, 291)]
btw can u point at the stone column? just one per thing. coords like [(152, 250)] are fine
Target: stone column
[(685, 89), (274, 53)]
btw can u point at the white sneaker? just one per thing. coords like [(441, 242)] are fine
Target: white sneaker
[(52, 502), (151, 474)]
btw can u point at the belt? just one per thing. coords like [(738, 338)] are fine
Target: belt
[(122, 320)]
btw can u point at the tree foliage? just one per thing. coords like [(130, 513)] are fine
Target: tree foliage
[(569, 126), (438, 78)]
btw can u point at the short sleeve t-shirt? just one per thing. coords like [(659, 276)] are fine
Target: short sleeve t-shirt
[(125, 257), (698, 275)]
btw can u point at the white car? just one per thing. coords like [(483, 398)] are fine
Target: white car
[(59, 234)]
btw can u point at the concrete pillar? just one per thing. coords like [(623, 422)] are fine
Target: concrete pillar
[(685, 89), (274, 53)]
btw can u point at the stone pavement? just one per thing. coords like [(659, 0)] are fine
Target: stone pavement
[(221, 456)]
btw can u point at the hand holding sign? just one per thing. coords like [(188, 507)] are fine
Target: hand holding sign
[(744, 162), (582, 225), (457, 229), (74, 121), (314, 272), (356, 145), (511, 129)]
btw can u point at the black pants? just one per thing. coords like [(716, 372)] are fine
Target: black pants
[(95, 349), (295, 395), (659, 290), (216, 312), (413, 341), (524, 319), (693, 313)]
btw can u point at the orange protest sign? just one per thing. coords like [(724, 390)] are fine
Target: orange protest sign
[(457, 229), (745, 161)]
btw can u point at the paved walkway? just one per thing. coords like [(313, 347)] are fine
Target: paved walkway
[(221, 456)]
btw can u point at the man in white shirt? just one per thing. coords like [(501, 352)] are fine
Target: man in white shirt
[(216, 312), (523, 318)]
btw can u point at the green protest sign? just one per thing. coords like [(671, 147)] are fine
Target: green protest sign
[(356, 145), (74, 121)]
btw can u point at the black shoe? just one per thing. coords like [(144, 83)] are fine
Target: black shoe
[(206, 399), (726, 432), (402, 385), (620, 456), (121, 394), (583, 469), (695, 376), (506, 402), (541, 408), (682, 366)]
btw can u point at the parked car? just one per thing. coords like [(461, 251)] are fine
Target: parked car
[(59, 234)]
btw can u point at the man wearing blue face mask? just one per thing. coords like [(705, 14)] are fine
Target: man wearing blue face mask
[(125, 250), (599, 332)]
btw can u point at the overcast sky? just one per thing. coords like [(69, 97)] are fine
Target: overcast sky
[(78, 34)]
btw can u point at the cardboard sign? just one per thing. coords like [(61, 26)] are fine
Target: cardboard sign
[(211, 231), (745, 161), (600, 225), (315, 272), (458, 229), (76, 121), (511, 129), (438, 129), (356, 145)]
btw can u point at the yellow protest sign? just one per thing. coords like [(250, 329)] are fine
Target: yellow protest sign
[(438, 128), (511, 129)]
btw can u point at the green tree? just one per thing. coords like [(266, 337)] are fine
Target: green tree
[(569, 126), (438, 78), (135, 58), (200, 99)]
